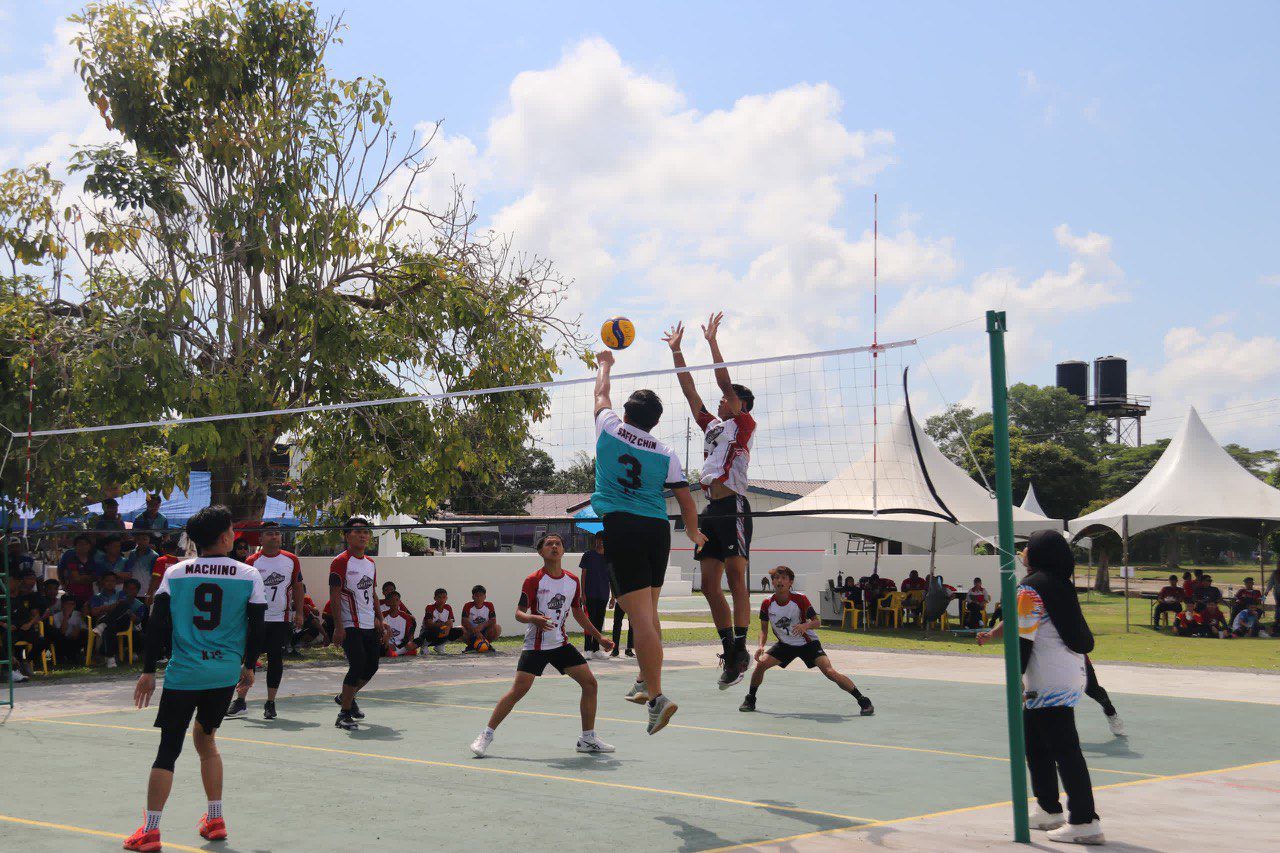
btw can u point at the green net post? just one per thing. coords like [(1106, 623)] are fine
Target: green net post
[(1008, 579), (7, 610)]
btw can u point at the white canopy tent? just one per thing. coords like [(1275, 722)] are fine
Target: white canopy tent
[(1195, 481), (1030, 503), (904, 490)]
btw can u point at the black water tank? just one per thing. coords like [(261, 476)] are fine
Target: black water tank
[(1074, 377), (1110, 378)]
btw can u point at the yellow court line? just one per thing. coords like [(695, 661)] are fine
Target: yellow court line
[(894, 821), (480, 768), (834, 741), (40, 824)]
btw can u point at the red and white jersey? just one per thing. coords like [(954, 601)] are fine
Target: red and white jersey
[(478, 615), (978, 596), (357, 577), (727, 449), (782, 616), (279, 574), (554, 598), (438, 613), (399, 622)]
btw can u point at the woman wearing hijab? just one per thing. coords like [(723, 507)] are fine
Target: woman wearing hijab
[(1054, 640)]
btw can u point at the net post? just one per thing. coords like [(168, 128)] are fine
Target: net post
[(1008, 582), (7, 610)]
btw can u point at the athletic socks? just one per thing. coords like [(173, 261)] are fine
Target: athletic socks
[(726, 639), (215, 810), (752, 691), (587, 734), (488, 731), (740, 639), (153, 820), (855, 693)]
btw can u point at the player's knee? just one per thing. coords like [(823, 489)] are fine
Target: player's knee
[(589, 684), (205, 743), (829, 671)]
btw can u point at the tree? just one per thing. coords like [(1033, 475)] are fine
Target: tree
[(951, 430), (578, 477), (1054, 414), (253, 241), (1064, 481), (505, 491)]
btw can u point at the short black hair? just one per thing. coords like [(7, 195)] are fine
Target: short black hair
[(82, 537), (480, 589), (133, 581), (264, 525), (391, 584), (545, 537), (745, 396), (440, 591), (143, 532), (785, 571), (643, 409), (109, 573), (153, 496), (66, 596), (387, 594), (48, 581), (113, 538), (208, 524), (110, 502), (353, 522)]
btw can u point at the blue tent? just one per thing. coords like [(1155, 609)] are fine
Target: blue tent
[(178, 506), (588, 511)]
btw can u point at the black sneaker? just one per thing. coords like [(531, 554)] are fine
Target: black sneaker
[(269, 711), (356, 713), (344, 721), (732, 673), (238, 708), (631, 653), (867, 708), (748, 704)]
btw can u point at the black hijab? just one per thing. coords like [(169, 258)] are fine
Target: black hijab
[(1051, 564)]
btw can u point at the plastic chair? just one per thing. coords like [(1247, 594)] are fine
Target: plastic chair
[(890, 605), (852, 614), (90, 639), (913, 606), (124, 638), (44, 666)]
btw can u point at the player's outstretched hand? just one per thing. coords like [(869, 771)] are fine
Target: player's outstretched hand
[(606, 644), (710, 330), (246, 678), (697, 537), (143, 690), (674, 336), (605, 358)]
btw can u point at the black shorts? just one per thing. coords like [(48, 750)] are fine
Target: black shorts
[(728, 533), (785, 654), (534, 661), (638, 547), (208, 706)]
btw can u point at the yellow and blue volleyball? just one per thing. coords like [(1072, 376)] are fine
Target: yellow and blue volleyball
[(618, 333)]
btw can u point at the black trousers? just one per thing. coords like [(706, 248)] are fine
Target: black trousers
[(595, 612), (1095, 691), (279, 634), (618, 614), (1053, 750)]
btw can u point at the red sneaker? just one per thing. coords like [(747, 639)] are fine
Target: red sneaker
[(214, 829), (143, 840)]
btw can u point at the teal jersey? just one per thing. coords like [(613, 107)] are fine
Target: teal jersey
[(209, 600), (633, 469)]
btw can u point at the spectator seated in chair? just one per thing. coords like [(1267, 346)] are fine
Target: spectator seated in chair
[(114, 610), (1205, 592), (399, 624), (27, 612), (69, 630), (1169, 600), (109, 559), (438, 623), (1246, 596), (849, 592), (313, 626), (975, 605), (52, 596), (142, 559), (480, 621), (75, 570)]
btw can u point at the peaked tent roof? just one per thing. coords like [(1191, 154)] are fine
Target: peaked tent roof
[(1030, 503), (1195, 480)]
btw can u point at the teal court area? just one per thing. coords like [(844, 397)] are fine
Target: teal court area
[(804, 765)]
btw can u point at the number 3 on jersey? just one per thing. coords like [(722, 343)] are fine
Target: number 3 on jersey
[(632, 478)]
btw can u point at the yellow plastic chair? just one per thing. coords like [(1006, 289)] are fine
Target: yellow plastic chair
[(913, 606), (125, 638), (44, 666), (891, 606), (852, 615), (89, 639)]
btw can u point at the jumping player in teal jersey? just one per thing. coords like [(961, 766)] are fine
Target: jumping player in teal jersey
[(633, 472), (211, 610)]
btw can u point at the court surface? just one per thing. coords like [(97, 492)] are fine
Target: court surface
[(805, 772)]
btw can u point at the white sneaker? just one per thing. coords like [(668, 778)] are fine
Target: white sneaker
[(593, 744), (660, 712), (100, 628), (638, 693), (111, 663), (1042, 820), (1116, 725), (601, 654), (17, 676), (1079, 833), (481, 744)]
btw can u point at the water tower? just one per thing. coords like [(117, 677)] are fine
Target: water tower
[(1111, 395)]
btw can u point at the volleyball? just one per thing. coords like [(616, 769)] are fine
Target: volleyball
[(618, 333), (483, 646)]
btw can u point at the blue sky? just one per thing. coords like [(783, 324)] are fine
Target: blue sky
[(1105, 170)]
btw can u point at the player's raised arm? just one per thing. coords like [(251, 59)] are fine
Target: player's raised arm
[(604, 364), (674, 337), (711, 331)]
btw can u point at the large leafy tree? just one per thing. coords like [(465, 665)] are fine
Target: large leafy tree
[(254, 240), (1064, 481)]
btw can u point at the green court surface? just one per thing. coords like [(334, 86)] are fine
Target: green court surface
[(717, 778)]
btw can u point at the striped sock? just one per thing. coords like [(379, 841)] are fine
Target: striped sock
[(215, 809), (153, 820)]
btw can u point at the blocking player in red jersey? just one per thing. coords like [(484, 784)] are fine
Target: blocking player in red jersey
[(479, 620), (793, 620), (282, 579), (547, 598), (726, 520), (357, 620)]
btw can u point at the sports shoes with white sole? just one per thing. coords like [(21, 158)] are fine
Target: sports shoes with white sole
[(661, 710), (638, 693), (481, 744), (593, 744), (1043, 820), (1078, 833)]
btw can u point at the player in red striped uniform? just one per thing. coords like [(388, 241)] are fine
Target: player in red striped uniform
[(726, 520), (357, 622), (400, 624), (547, 598), (793, 620), (282, 580), (479, 619)]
